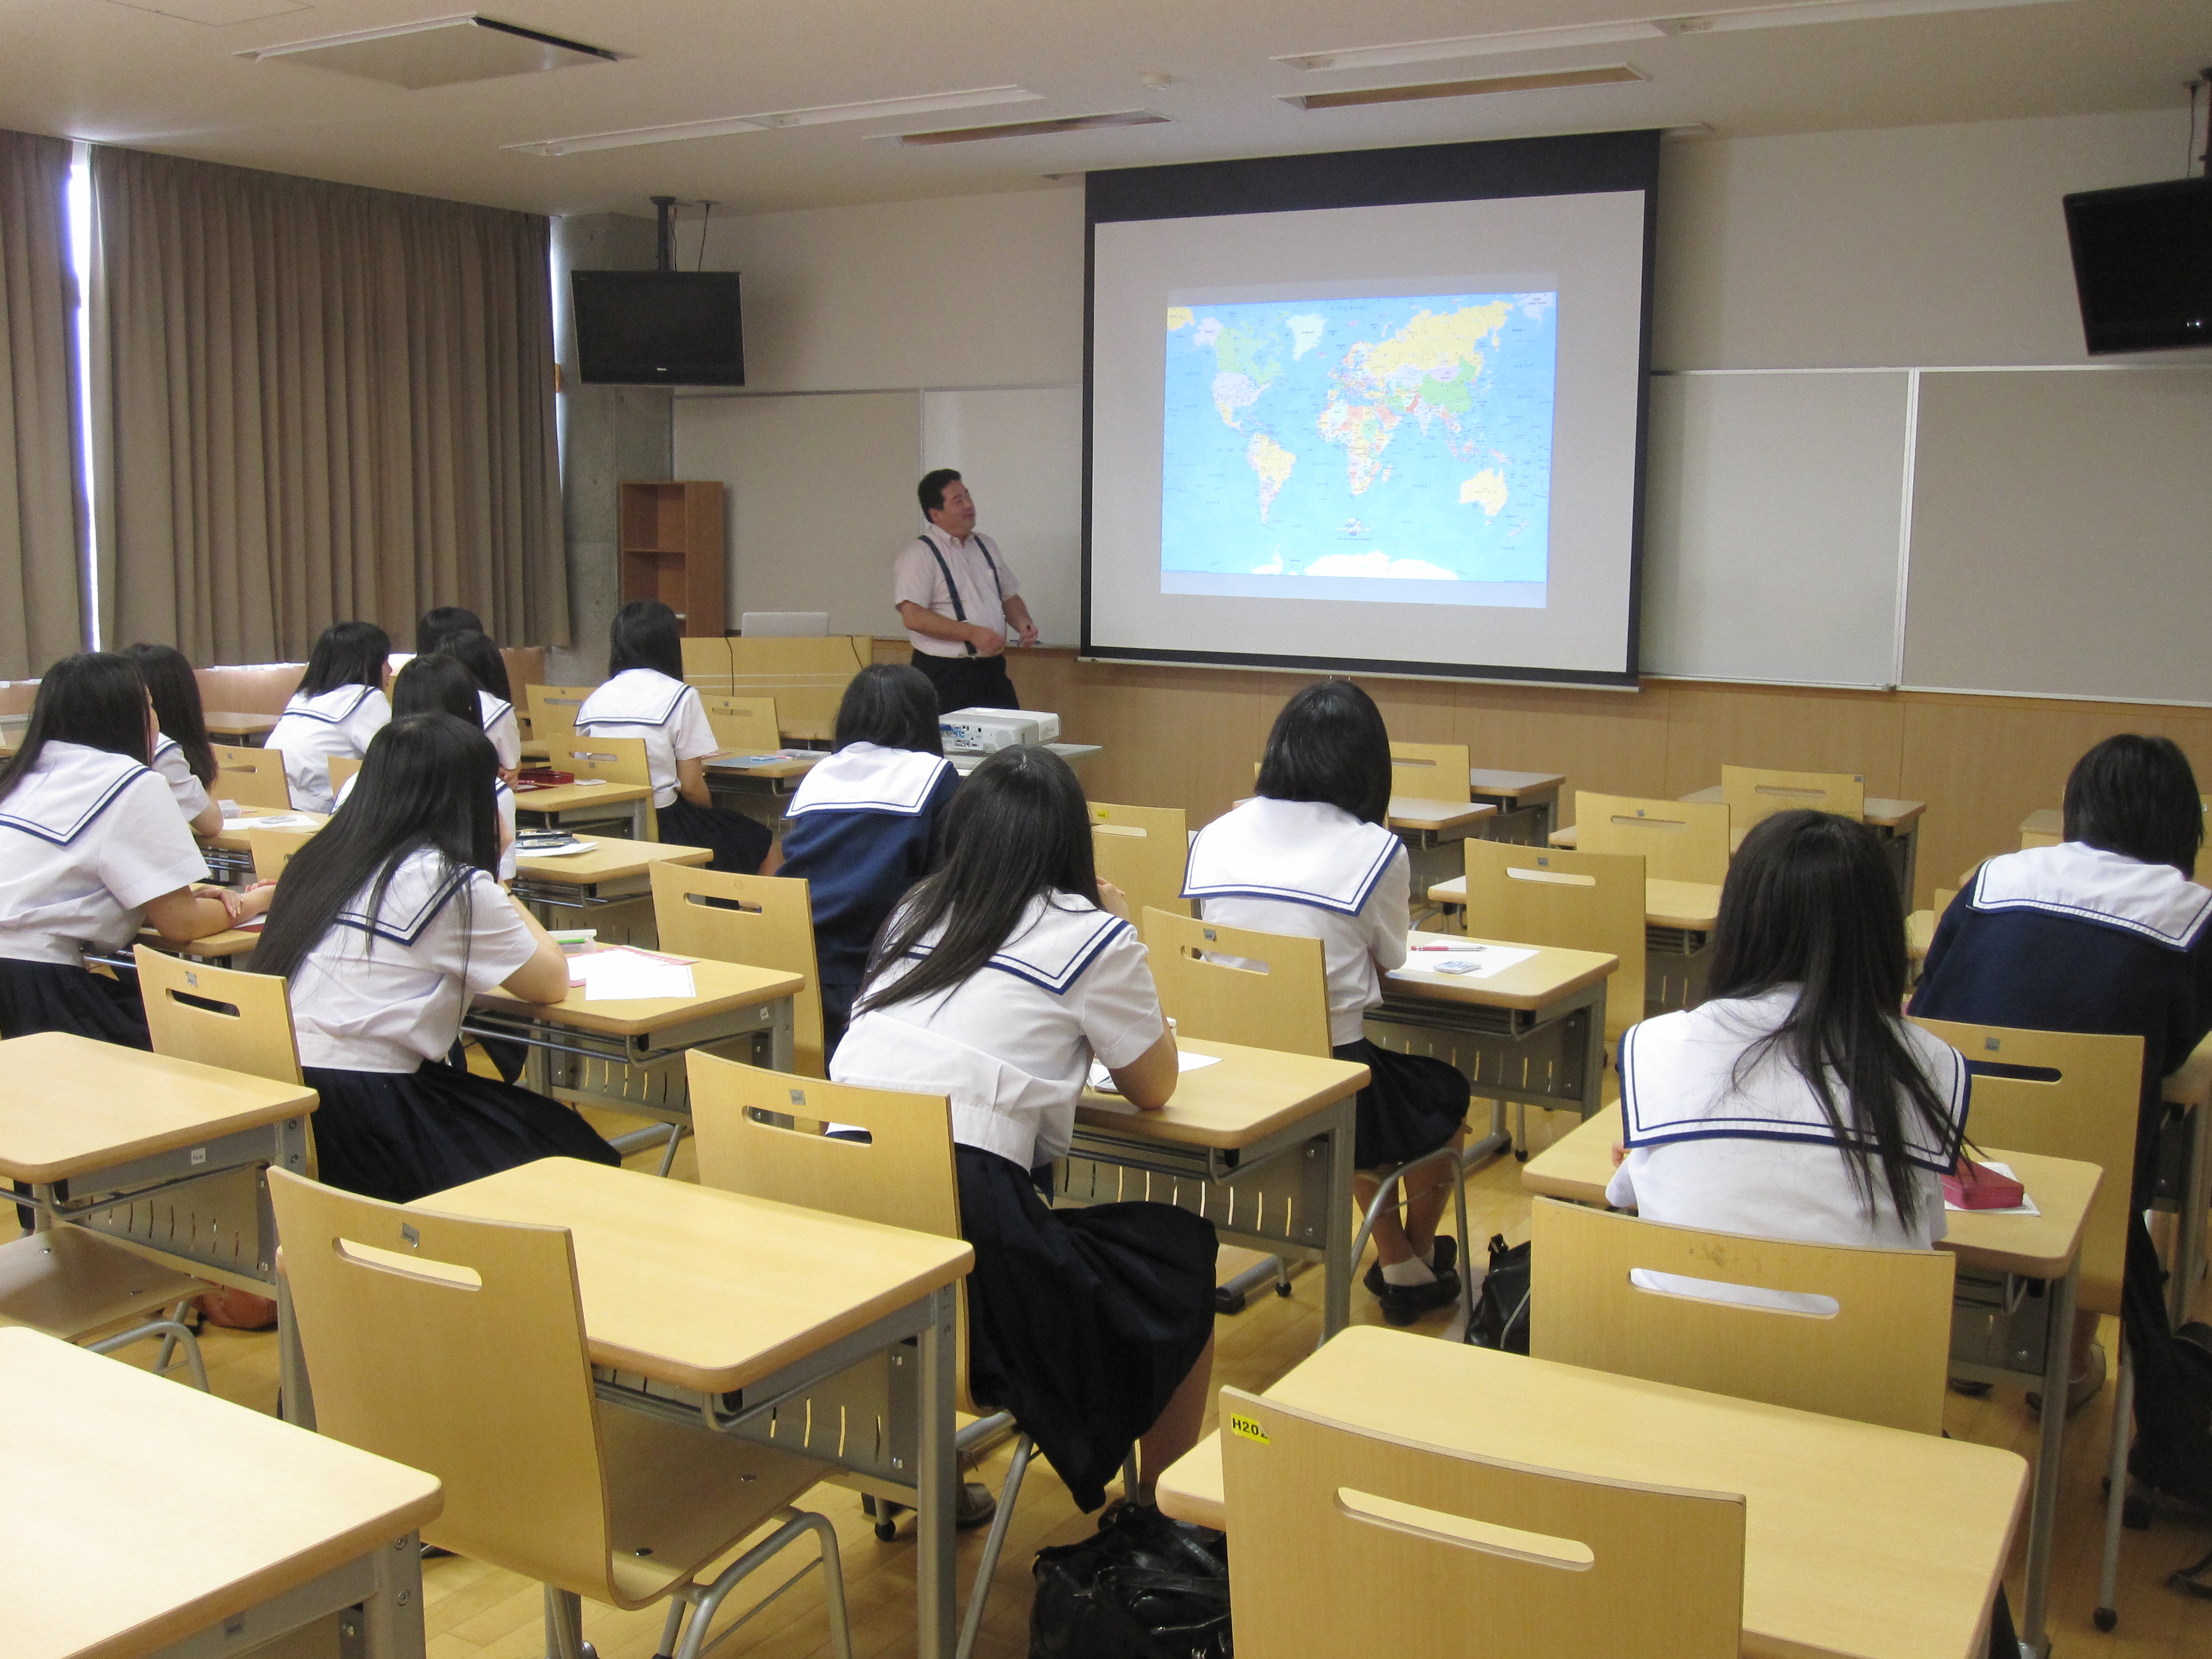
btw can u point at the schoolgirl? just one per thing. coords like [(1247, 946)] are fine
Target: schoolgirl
[(91, 847), (182, 754), (1310, 855), (995, 984), (339, 707), (475, 651), (387, 923), (863, 825), (646, 697), (439, 684)]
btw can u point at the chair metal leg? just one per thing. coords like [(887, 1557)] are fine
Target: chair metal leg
[(668, 1156), (1466, 1257), (1388, 1189), (706, 1600), (673, 1626), (564, 1624), (2116, 1500), (173, 1333), (989, 1564), (169, 1353)]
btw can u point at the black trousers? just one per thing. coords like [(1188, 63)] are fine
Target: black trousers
[(968, 682)]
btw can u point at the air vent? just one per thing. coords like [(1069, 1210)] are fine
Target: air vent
[(1548, 81), (1126, 117), (439, 51)]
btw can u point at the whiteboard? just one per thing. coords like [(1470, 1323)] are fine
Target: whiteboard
[(1020, 454), (1773, 525)]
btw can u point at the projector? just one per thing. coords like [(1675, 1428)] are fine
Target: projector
[(986, 730)]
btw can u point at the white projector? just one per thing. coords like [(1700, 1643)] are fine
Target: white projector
[(986, 731)]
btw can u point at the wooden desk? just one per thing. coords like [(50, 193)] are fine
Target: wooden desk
[(227, 725), (230, 854), (2046, 827), (1678, 925), (143, 1516), (1858, 1541), (1432, 830), (727, 1312), (1899, 821), (609, 888), (1075, 754), (1527, 803), (1577, 1166), (162, 1154), (211, 947), (1260, 1144), (567, 804), (758, 791)]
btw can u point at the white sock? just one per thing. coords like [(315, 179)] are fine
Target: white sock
[(1413, 1272)]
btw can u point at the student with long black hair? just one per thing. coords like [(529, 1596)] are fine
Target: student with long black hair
[(387, 923), (646, 697), (182, 754), (441, 685), (863, 825), (474, 650), (996, 983), (91, 847), (1310, 855), (339, 707)]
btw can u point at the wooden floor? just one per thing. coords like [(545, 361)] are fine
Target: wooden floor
[(475, 1610)]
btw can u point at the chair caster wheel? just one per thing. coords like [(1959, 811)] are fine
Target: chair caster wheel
[(886, 1514), (1282, 1287), (588, 1650), (2105, 1618), (1520, 1155)]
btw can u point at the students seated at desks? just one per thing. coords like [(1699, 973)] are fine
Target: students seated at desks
[(995, 984), (476, 653), (91, 847), (387, 923), (182, 754), (2104, 932), (646, 698), (441, 685), (863, 825), (339, 707), (1310, 855)]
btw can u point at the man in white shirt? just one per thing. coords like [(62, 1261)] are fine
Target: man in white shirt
[(959, 601)]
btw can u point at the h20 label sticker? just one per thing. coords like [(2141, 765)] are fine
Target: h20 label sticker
[(1246, 1428)]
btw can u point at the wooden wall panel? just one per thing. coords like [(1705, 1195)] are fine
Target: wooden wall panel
[(1791, 728)]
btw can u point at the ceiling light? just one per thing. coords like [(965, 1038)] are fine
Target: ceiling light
[(1542, 81), (1645, 29), (821, 114), (217, 13), (1126, 117), (437, 52)]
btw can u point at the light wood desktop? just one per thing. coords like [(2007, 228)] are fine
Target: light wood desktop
[(1898, 820), (587, 803), (2044, 827), (1527, 803), (247, 730), (719, 987), (1859, 1541), (1691, 906), (1678, 923), (608, 889), (613, 858), (232, 836), (142, 1514)]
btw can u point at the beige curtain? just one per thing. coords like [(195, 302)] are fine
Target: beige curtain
[(316, 403), (41, 507)]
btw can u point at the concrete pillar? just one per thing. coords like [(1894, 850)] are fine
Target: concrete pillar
[(608, 434)]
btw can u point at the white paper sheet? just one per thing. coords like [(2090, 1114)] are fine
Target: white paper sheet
[(1102, 1081), (620, 975), (2026, 1206), (1466, 959)]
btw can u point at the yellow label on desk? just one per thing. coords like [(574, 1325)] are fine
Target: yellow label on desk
[(1246, 1428)]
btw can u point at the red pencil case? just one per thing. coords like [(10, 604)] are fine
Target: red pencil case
[(1974, 1185)]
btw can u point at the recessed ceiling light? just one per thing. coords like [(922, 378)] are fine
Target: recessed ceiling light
[(1542, 80), (1644, 28), (821, 114), (1126, 117), (437, 52)]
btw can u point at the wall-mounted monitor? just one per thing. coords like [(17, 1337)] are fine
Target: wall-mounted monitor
[(2142, 264), (658, 327)]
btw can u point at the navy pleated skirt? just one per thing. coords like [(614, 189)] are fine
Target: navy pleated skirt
[(740, 843), (401, 1135), (1413, 1105), (1082, 1323), (53, 996)]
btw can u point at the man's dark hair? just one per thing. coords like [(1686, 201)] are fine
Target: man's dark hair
[(931, 489)]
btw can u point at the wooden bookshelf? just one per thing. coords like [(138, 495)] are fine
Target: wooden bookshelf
[(672, 549)]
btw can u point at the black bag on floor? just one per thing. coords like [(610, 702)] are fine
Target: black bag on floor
[(1146, 1587), (1501, 1312)]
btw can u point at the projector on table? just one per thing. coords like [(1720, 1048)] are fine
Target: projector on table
[(986, 730)]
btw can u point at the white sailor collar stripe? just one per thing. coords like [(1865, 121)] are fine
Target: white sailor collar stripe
[(499, 710), (1336, 870), (70, 810), (866, 778), (411, 928), (166, 744), (637, 714), (303, 708), (1053, 957), (2108, 889)]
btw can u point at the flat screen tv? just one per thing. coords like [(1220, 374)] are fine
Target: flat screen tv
[(658, 327), (2142, 264)]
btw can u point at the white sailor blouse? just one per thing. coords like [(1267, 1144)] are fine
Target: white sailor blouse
[(311, 730), (644, 702), (191, 794)]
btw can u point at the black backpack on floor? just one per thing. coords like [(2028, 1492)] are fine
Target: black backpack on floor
[(1145, 1587), (1501, 1312)]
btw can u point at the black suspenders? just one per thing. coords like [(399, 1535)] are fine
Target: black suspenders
[(960, 610)]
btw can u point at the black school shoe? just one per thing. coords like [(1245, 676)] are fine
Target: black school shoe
[(1446, 1258)]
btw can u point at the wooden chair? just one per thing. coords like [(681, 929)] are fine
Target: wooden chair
[(1753, 793), (553, 710), (1677, 839), (1569, 899), (1143, 850), (342, 767), (612, 760), (744, 725), (1920, 927), (2080, 1100), (1270, 991), (221, 1017), (1352, 1541), (763, 921), (761, 1136), (1880, 1357), (272, 849), (252, 777), (456, 1345), (1430, 771), (74, 1285)]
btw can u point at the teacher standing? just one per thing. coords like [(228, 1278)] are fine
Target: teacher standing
[(959, 601)]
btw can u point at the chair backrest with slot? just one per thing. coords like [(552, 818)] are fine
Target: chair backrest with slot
[(218, 1015), (616, 760), (744, 725), (1568, 899), (1350, 1540), (761, 921), (1430, 771), (553, 710), (1880, 1356), (2069, 1094), (252, 777), (342, 767), (273, 849), (1223, 984), (761, 1133), (1677, 839), (456, 1345), (1143, 851), (1753, 793)]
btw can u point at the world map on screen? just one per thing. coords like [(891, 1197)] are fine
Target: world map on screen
[(1405, 436)]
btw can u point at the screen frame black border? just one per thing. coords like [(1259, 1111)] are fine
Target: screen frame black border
[(699, 278), (1487, 169), (2108, 339)]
